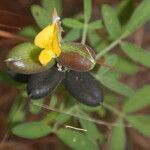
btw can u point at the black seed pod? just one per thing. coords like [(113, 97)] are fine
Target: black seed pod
[(84, 87), (18, 77), (43, 84)]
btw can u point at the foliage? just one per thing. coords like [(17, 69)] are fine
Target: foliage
[(86, 30)]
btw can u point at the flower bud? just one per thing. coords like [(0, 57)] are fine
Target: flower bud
[(76, 56)]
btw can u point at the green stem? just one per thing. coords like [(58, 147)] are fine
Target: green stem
[(112, 109), (84, 34), (107, 49)]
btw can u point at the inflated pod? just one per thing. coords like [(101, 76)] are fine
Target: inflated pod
[(24, 59), (42, 84), (76, 56), (23, 78), (84, 87)]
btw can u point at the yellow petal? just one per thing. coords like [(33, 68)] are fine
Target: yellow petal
[(46, 56), (44, 38), (56, 45)]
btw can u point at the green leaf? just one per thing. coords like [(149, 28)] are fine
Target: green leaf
[(140, 123), (72, 23), (92, 131), (136, 53), (24, 59), (32, 130), (62, 118), (16, 113), (7, 79), (53, 100), (34, 109), (109, 60), (76, 140), (29, 31), (116, 86), (72, 35), (40, 16), (139, 100), (138, 18), (111, 22), (94, 38), (118, 137), (87, 10), (125, 66), (49, 5), (124, 10), (95, 25)]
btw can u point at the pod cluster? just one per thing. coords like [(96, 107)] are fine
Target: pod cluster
[(76, 58)]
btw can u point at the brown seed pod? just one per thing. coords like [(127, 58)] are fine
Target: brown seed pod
[(77, 57)]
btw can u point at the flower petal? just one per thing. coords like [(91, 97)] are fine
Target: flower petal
[(56, 45), (46, 56), (45, 37)]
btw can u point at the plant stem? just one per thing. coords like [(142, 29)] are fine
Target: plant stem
[(112, 109), (107, 49), (84, 34)]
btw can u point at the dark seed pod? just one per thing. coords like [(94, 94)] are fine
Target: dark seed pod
[(18, 77), (77, 57), (84, 87), (42, 84)]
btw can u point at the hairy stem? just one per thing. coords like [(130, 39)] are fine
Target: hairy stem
[(107, 49), (84, 34)]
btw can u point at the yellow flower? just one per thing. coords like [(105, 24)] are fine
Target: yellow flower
[(48, 39)]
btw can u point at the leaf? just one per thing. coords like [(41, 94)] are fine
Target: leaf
[(62, 118), (139, 100), (8, 80), (92, 131), (109, 60), (138, 18), (118, 137), (40, 16), (124, 10), (140, 123), (32, 130), (87, 10), (49, 5), (16, 113), (76, 140), (95, 25), (24, 59), (29, 31), (72, 35), (125, 66), (72, 23), (136, 53), (94, 38), (111, 22), (53, 100), (116, 86), (103, 44), (34, 109)]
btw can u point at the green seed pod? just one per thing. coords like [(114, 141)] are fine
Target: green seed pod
[(42, 84), (77, 57), (84, 87), (24, 59)]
